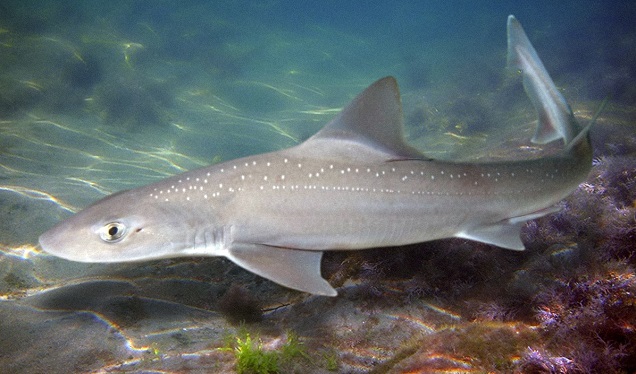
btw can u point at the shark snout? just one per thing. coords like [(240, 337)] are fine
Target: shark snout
[(62, 241), (51, 243)]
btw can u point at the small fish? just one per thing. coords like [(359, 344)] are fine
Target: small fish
[(355, 184)]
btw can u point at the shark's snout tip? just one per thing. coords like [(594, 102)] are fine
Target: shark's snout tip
[(46, 243), (53, 242)]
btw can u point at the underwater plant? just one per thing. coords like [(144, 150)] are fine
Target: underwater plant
[(538, 361), (253, 358), (591, 320)]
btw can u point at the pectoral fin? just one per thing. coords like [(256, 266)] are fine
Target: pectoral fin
[(293, 268)]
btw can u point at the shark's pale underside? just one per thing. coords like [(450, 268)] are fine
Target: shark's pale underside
[(355, 184)]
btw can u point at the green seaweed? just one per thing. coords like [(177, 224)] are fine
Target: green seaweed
[(331, 361), (293, 348), (253, 358)]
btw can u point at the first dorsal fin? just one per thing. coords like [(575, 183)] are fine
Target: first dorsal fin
[(371, 125)]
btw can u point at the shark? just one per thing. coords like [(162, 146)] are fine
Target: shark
[(355, 184)]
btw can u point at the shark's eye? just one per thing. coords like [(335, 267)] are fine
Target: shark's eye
[(112, 232)]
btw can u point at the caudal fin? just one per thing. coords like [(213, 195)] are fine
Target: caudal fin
[(556, 120)]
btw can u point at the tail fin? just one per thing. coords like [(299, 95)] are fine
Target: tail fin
[(556, 120)]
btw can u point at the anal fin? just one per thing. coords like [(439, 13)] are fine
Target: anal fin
[(293, 268), (505, 234)]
